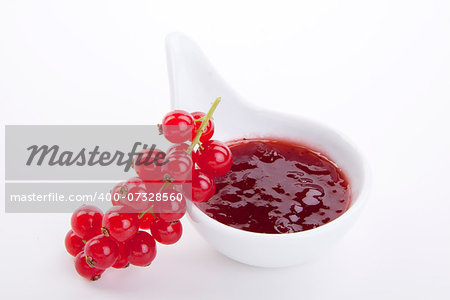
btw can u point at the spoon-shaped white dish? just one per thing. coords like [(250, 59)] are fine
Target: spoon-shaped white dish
[(194, 85)]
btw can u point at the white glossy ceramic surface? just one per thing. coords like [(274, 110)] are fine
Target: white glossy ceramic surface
[(194, 85)]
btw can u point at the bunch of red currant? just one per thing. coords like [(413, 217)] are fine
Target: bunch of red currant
[(119, 238)]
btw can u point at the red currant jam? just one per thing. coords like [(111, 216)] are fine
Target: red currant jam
[(275, 186)]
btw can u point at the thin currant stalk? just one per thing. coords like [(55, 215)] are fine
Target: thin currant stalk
[(206, 118), (166, 184), (148, 210)]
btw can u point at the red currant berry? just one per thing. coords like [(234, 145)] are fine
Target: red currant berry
[(166, 233), (120, 223), (131, 194), (85, 270), (142, 249), (101, 252), (214, 159), (172, 206), (144, 222), (122, 260), (202, 188), (153, 188), (74, 244), (177, 147), (179, 166), (209, 129), (147, 164), (86, 221), (119, 193), (177, 126)]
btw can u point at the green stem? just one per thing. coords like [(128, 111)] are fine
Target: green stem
[(150, 210), (202, 127), (164, 186)]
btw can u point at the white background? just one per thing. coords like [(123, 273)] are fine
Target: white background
[(379, 71)]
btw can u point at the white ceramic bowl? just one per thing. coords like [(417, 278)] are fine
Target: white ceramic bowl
[(194, 85)]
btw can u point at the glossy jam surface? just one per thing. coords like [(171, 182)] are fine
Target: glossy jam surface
[(275, 186)]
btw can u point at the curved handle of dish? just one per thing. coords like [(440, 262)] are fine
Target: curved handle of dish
[(194, 83)]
